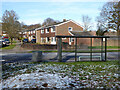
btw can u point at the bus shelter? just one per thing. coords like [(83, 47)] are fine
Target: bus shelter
[(59, 46)]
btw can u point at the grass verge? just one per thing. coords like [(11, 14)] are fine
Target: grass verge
[(108, 47), (95, 51), (9, 47)]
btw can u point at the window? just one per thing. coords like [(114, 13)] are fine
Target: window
[(53, 39), (103, 39), (52, 30), (47, 30), (24, 36), (71, 39), (4, 34), (31, 37), (47, 39), (70, 29), (42, 31), (63, 38), (33, 31), (42, 40)]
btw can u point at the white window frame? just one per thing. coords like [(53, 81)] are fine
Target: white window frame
[(46, 40), (103, 39), (42, 31), (42, 40), (47, 30), (29, 32), (33, 31), (53, 39), (71, 29), (71, 39), (24, 36), (52, 30), (63, 38), (31, 37), (20, 32)]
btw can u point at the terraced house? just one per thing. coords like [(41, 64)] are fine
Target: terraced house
[(46, 34), (29, 34)]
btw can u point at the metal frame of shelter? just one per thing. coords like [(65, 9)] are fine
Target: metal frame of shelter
[(59, 46)]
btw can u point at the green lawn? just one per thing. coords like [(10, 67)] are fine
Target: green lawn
[(14, 42), (9, 47), (108, 47), (95, 51)]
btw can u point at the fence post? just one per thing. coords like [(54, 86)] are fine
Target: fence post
[(59, 46), (102, 49), (91, 51), (105, 49), (75, 49)]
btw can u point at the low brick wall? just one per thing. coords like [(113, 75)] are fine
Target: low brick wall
[(32, 46), (38, 46)]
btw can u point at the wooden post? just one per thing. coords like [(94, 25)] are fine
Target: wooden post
[(91, 51), (102, 49), (59, 46), (105, 49), (75, 49)]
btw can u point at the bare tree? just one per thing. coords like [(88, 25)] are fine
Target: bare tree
[(100, 31), (49, 21), (101, 27), (110, 15), (86, 22), (10, 24)]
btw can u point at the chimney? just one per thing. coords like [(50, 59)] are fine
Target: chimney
[(64, 20)]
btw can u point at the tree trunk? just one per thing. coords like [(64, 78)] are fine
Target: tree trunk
[(11, 40), (118, 33)]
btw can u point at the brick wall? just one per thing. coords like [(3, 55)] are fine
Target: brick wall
[(38, 46), (110, 42)]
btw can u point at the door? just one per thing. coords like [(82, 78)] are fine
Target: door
[(53, 40)]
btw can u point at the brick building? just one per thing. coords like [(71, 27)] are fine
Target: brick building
[(29, 34), (46, 34)]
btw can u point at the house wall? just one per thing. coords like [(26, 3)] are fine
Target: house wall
[(110, 42), (29, 34), (59, 30), (50, 34), (63, 29), (44, 35)]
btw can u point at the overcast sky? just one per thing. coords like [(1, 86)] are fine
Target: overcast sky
[(35, 12)]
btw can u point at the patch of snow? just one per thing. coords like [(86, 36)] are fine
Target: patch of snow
[(36, 80)]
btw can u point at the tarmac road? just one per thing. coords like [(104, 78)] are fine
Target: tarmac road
[(26, 57)]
